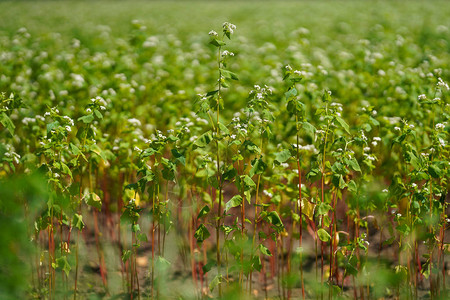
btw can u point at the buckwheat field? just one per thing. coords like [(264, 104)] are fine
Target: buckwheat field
[(224, 150)]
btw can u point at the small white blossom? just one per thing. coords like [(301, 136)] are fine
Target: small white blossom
[(440, 126), (422, 97), (135, 122), (228, 27), (268, 194), (442, 84)]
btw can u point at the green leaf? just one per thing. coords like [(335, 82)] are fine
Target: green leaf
[(203, 140), (309, 128), (63, 264), (223, 128), (353, 163), (7, 123), (230, 174), (98, 114), (374, 122), (215, 282), (233, 202), (126, 255), (94, 200), (51, 126), (258, 167), (256, 263), (217, 43), (201, 233), (249, 183), (77, 221), (75, 149), (343, 124), (203, 212), (313, 173), (229, 75), (414, 160), (264, 250), (324, 236), (323, 208), (434, 171), (352, 186), (212, 180), (206, 268), (274, 219), (87, 119), (282, 156), (291, 93), (66, 170)]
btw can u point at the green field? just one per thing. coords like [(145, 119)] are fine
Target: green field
[(224, 149)]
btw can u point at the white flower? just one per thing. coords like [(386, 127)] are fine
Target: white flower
[(397, 128), (411, 126), (212, 33), (228, 27), (377, 139), (422, 97), (284, 165), (442, 142), (68, 128), (47, 114), (88, 110), (226, 53), (233, 136), (442, 84), (385, 191), (440, 126), (268, 194), (102, 108), (136, 148), (414, 185), (135, 122), (366, 149), (369, 157)]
